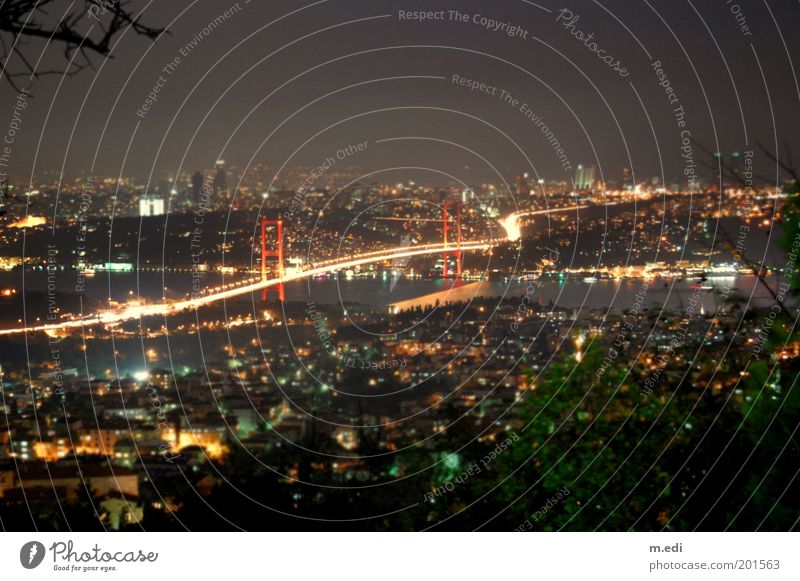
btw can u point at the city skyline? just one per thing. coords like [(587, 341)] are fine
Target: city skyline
[(724, 95)]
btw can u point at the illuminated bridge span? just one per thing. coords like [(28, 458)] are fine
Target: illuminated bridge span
[(130, 312), (136, 311)]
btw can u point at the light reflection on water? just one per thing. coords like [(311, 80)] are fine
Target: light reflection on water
[(569, 292)]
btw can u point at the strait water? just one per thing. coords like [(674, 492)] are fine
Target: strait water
[(567, 292)]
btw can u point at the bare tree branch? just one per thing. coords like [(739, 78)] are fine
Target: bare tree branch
[(787, 168), (76, 31)]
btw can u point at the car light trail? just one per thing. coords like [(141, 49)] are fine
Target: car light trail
[(130, 312), (137, 311), (511, 222)]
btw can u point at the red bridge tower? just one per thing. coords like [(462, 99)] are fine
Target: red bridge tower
[(278, 254), (446, 227)]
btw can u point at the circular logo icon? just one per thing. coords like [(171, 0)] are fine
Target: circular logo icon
[(31, 554)]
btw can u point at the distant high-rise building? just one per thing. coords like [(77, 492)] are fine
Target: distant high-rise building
[(151, 207), (220, 178), (522, 185), (197, 187), (584, 177)]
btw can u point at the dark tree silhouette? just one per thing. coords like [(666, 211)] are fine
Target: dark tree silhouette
[(82, 30)]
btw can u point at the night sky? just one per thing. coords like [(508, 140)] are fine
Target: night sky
[(291, 83)]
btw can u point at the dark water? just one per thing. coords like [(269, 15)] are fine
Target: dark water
[(568, 292)]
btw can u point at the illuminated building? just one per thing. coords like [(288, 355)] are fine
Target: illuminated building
[(584, 177), (152, 207)]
